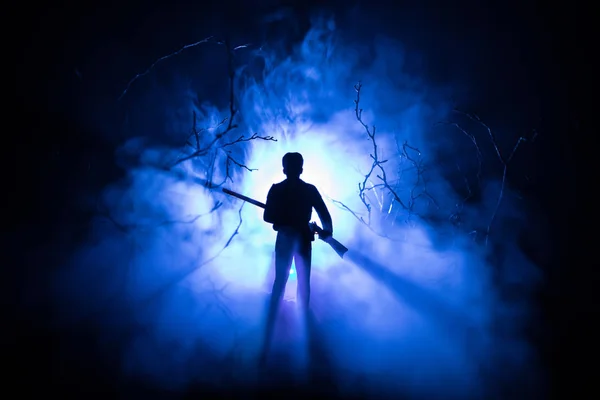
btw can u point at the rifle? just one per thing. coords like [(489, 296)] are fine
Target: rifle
[(339, 248)]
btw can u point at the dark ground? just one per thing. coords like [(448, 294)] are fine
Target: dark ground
[(46, 154)]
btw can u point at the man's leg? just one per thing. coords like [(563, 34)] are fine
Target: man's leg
[(284, 250), (302, 257)]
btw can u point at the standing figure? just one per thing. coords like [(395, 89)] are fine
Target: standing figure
[(289, 208)]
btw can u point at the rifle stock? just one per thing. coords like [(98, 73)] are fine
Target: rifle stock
[(339, 248)]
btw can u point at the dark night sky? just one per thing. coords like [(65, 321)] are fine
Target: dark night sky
[(542, 48)]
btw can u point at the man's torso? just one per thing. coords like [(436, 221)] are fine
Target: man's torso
[(293, 201)]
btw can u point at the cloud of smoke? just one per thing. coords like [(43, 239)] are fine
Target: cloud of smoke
[(178, 274)]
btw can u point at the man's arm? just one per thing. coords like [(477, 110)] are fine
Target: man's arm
[(271, 211), (323, 213)]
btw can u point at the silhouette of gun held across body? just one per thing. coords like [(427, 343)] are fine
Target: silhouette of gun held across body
[(339, 248), (289, 208)]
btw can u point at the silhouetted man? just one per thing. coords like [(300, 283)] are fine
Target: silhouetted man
[(289, 208)]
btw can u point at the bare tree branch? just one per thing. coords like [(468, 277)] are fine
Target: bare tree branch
[(410, 183), (377, 163), (224, 128), (196, 140), (477, 149), (387, 192), (247, 139), (504, 161), (163, 58)]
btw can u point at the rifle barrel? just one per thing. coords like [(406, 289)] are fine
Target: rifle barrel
[(245, 198)]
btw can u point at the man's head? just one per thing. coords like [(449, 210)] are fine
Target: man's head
[(292, 164)]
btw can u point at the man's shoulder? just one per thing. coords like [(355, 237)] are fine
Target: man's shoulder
[(310, 186), (303, 187), (312, 189), (303, 184), (278, 185)]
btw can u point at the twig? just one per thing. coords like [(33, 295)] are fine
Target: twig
[(504, 161), (419, 187), (200, 150), (377, 163), (163, 58)]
